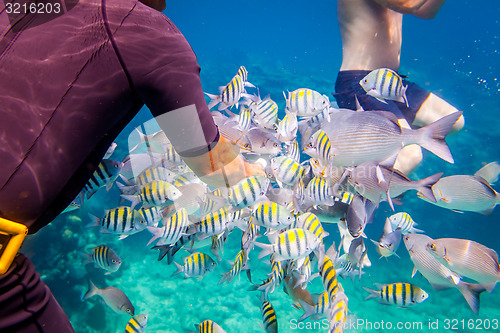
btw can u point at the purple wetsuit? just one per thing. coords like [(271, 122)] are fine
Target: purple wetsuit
[(69, 83)]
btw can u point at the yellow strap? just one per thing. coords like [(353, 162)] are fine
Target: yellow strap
[(14, 234)]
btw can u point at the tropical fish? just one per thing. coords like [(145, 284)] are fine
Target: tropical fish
[(403, 221), (327, 271), (208, 326), (358, 137), (265, 112), (156, 142), (103, 176), (360, 212), (240, 263), (244, 119), (271, 215), (318, 192), (438, 275), (173, 228), (464, 193), (249, 236), (338, 312), (389, 242), (376, 183), (401, 294), (467, 258), (311, 222), (286, 170), (270, 322), (291, 244), (213, 223), (230, 130), (120, 220), (152, 174), (156, 193), (137, 324), (292, 150), (318, 311), (105, 258), (263, 141), (230, 94), (196, 264), (306, 102), (384, 83), (287, 128), (113, 297), (247, 191), (217, 247), (151, 215), (319, 147)]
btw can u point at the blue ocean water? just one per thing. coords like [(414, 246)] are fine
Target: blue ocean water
[(286, 46)]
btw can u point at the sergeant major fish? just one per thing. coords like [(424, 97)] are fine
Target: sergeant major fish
[(401, 294), (137, 324), (384, 83), (306, 102), (105, 258)]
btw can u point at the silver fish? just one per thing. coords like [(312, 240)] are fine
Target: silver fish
[(467, 258), (389, 242), (376, 183), (113, 297), (438, 275), (263, 141), (359, 213), (464, 193), (358, 137)]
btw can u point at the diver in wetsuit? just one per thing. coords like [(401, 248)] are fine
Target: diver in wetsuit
[(371, 32), (70, 81)]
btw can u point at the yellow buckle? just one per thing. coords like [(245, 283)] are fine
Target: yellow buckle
[(11, 238)]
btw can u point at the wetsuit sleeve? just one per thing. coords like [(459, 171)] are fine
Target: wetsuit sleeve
[(166, 76)]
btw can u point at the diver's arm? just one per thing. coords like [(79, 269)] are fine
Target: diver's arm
[(426, 9)]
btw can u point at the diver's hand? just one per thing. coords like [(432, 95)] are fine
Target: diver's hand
[(232, 173)]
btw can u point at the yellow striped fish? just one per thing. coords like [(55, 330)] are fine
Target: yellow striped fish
[(265, 113), (239, 264), (151, 215), (291, 244), (137, 324), (311, 222), (293, 150), (249, 235), (287, 128), (318, 192), (269, 319), (327, 271), (384, 83), (338, 312), (403, 221), (318, 146), (120, 220), (213, 223), (217, 246), (105, 258), (152, 174), (306, 102), (271, 215), (196, 264), (248, 191), (156, 193), (173, 228), (232, 92), (401, 294), (316, 312), (286, 170), (245, 119), (104, 175), (209, 326)]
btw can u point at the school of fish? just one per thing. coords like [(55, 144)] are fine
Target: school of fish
[(324, 166)]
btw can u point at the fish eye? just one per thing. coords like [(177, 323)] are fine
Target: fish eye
[(129, 311), (246, 145), (275, 144), (432, 247), (113, 261), (309, 145)]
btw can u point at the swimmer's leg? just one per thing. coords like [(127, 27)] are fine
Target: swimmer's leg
[(434, 108), (408, 159)]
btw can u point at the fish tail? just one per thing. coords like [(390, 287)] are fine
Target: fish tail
[(225, 277), (90, 292), (94, 221), (471, 293), (266, 249), (308, 310), (164, 250), (180, 269), (157, 233), (433, 138), (214, 99), (373, 293), (425, 186), (134, 199), (87, 257)]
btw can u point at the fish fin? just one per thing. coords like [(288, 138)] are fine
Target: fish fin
[(490, 172), (425, 186), (308, 309), (405, 100), (415, 270), (134, 199), (123, 237), (471, 293), (90, 292), (180, 269), (266, 249), (214, 99), (373, 293), (487, 211), (358, 105), (87, 257), (455, 210), (455, 278), (434, 136), (157, 233), (94, 221)]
